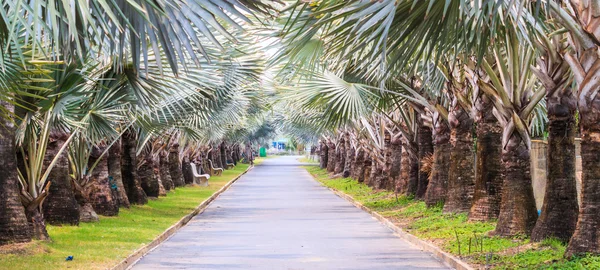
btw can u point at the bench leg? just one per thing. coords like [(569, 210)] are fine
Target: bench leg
[(203, 182)]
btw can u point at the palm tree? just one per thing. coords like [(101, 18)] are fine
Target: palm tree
[(560, 208), (511, 86), (582, 59)]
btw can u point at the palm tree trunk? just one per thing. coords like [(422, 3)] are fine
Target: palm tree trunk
[(114, 171), (517, 209), (461, 174), (560, 208), (13, 221), (37, 224), (395, 163), (165, 175), (162, 191), (364, 178), (340, 156), (186, 169), (586, 238), (376, 171), (358, 169), (403, 179), (438, 184), (148, 178), (424, 139), (175, 166), (332, 156), (101, 195), (131, 180), (413, 175), (324, 155), (223, 155), (489, 174), (60, 207), (348, 160)]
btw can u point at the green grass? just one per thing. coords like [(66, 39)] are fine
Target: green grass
[(307, 160), (455, 234), (102, 245)]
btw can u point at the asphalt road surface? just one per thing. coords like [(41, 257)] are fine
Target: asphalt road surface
[(277, 217)]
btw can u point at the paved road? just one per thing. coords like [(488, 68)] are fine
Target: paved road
[(277, 217)]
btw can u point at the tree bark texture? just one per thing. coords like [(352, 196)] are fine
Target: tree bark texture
[(438, 183), (323, 152), (114, 172), (186, 168), (165, 174), (424, 139), (175, 166), (560, 209), (489, 172), (60, 207), (403, 179), (148, 178), (13, 221), (131, 180), (332, 156), (103, 195), (517, 209), (348, 160), (340, 156), (461, 175), (586, 238), (395, 161)]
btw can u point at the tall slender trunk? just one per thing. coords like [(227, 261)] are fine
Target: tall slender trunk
[(131, 180), (60, 207), (364, 178), (101, 192), (438, 184), (13, 221), (223, 155), (375, 173), (395, 163), (413, 175), (403, 179), (332, 156), (586, 238), (186, 169), (229, 154), (424, 139), (175, 166), (340, 156), (348, 160), (148, 178), (216, 153), (162, 191), (517, 209), (560, 208), (461, 175), (489, 174), (165, 175), (114, 172), (358, 169), (324, 155)]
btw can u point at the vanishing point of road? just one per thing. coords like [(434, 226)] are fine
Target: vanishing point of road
[(277, 217)]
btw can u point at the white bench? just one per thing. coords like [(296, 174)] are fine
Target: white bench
[(199, 179), (213, 170)]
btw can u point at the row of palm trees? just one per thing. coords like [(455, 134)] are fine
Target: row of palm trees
[(440, 99), (105, 104)]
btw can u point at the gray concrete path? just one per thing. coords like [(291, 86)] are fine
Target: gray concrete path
[(277, 217)]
